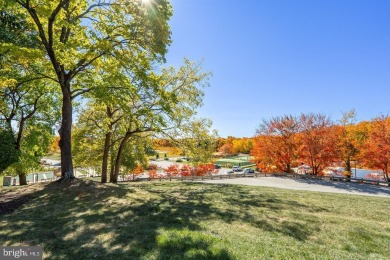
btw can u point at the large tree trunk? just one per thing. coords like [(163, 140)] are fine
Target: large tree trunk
[(106, 150), (119, 157), (105, 157), (112, 164), (348, 164), (22, 179), (315, 170), (348, 169), (65, 134)]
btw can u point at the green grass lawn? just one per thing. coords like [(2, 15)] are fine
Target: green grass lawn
[(176, 220)]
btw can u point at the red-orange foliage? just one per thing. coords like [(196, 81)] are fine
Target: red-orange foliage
[(318, 139), (226, 149), (173, 170), (153, 173), (376, 151), (312, 139), (152, 166), (275, 148), (138, 170), (263, 153), (186, 170), (204, 169)]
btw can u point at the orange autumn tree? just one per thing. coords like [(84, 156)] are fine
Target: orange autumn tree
[(55, 145), (318, 141), (376, 150), (262, 151), (275, 146), (226, 149), (225, 145)]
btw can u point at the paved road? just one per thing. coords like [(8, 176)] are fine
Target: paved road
[(299, 184), (310, 185)]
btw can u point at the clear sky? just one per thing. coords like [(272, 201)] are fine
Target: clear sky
[(276, 57)]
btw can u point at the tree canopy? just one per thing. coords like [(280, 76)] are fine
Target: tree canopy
[(77, 38)]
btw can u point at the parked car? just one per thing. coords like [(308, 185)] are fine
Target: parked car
[(216, 166), (249, 170), (236, 169)]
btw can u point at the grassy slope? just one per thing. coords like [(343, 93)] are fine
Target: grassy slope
[(164, 220)]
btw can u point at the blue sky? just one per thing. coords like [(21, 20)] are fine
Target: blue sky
[(276, 57)]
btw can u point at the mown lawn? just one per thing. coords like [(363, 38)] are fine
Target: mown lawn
[(175, 220)]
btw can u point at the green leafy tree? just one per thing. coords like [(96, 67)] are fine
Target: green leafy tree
[(8, 153), (153, 104), (35, 143), (197, 139), (134, 154), (162, 102), (75, 36), (26, 103), (27, 100), (86, 139), (14, 29)]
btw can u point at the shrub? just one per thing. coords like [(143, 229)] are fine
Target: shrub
[(152, 166), (153, 173), (204, 169), (173, 170), (186, 170)]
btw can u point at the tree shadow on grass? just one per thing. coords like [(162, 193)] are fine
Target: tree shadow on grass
[(153, 221)]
